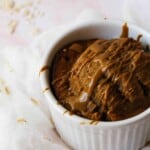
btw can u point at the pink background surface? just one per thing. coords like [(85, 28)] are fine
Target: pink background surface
[(49, 14)]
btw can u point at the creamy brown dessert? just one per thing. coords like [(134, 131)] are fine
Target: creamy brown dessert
[(103, 79)]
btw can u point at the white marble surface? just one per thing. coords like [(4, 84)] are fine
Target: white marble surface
[(23, 112)]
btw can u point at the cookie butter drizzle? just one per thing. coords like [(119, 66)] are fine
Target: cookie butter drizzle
[(92, 55), (125, 31), (98, 62), (44, 68)]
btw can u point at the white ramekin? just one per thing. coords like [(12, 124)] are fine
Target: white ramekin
[(80, 133)]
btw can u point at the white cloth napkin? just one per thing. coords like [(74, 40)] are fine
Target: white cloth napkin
[(24, 117), (25, 122)]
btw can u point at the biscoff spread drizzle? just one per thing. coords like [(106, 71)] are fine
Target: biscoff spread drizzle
[(103, 79)]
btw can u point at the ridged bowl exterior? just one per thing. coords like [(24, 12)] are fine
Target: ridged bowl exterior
[(80, 136)]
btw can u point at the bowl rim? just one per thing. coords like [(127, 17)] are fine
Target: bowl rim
[(49, 94)]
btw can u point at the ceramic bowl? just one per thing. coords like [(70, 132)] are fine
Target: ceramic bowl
[(80, 133)]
